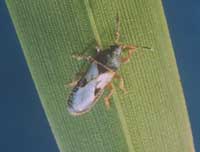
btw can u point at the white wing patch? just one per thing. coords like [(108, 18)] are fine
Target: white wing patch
[(84, 96)]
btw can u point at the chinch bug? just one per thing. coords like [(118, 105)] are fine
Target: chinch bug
[(102, 70)]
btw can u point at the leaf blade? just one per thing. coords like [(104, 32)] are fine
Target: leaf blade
[(50, 32)]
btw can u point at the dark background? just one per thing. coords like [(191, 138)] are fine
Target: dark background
[(24, 127)]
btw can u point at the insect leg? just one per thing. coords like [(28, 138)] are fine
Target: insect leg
[(121, 83), (82, 57), (131, 49), (107, 98), (75, 81), (72, 84), (91, 59)]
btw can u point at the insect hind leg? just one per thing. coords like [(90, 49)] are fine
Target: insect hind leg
[(107, 98), (121, 83), (91, 59), (82, 57)]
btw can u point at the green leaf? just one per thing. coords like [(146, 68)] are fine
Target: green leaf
[(151, 117)]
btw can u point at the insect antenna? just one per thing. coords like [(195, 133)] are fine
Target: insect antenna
[(144, 47), (117, 28)]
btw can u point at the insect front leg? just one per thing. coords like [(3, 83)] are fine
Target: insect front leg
[(107, 98), (121, 83), (131, 49)]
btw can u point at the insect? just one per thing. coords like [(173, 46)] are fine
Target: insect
[(103, 69)]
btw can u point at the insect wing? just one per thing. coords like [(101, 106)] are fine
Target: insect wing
[(88, 90), (83, 98), (83, 95)]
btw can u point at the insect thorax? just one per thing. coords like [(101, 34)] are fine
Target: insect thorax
[(110, 57)]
